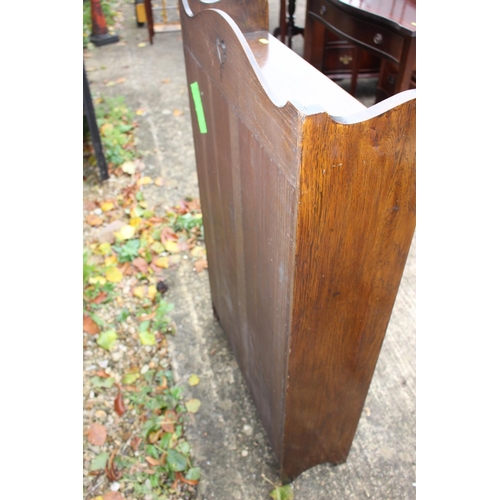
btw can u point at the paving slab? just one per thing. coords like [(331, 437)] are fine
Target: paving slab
[(229, 443)]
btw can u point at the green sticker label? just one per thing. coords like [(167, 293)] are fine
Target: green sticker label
[(198, 106)]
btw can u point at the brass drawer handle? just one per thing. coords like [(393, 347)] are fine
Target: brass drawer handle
[(322, 10), (378, 39), (345, 59)]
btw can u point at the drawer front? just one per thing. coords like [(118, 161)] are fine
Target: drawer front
[(369, 35)]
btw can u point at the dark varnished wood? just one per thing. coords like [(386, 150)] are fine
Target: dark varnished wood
[(308, 202), (383, 28)]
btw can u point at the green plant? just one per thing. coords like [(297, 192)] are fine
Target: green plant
[(128, 251), (116, 125)]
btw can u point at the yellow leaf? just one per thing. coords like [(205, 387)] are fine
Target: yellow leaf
[(178, 112), (144, 180), (198, 251), (110, 260), (171, 246), (106, 127), (157, 247), (193, 405), (159, 182), (151, 292), (106, 206), (143, 204), (139, 112), (193, 380), (144, 290), (129, 167), (126, 232), (104, 248), (135, 221), (114, 275), (162, 262), (142, 44), (97, 279)]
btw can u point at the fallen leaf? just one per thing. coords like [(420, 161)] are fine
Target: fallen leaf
[(141, 265), (126, 232), (152, 461), (106, 206), (100, 461), (139, 112), (94, 280), (111, 472), (161, 262), (198, 251), (193, 380), (193, 405), (144, 181), (167, 427), (178, 112), (154, 436), (110, 84), (159, 182), (113, 495), (121, 80), (90, 326), (107, 339), (147, 338), (119, 404), (135, 222), (129, 167), (97, 434), (104, 248), (144, 291), (166, 80), (110, 260), (201, 264), (94, 220), (171, 246), (114, 275), (157, 247), (130, 378), (142, 44), (101, 297), (135, 443)]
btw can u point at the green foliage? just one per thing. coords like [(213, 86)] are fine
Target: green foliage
[(128, 251), (88, 269), (116, 125)]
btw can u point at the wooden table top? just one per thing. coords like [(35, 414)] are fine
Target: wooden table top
[(400, 12)]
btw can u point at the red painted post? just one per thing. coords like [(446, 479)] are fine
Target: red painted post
[(100, 35)]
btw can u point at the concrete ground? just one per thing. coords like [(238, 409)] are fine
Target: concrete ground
[(228, 440)]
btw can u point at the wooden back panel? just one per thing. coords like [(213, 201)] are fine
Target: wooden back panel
[(308, 221)]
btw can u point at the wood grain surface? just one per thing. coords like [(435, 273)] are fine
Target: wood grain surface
[(308, 221)]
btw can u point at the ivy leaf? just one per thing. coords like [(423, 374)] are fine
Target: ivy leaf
[(176, 461), (107, 339)]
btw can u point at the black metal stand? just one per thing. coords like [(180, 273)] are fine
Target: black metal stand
[(291, 29), (88, 109), (105, 39)]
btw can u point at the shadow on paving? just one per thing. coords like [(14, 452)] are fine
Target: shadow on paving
[(229, 443)]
